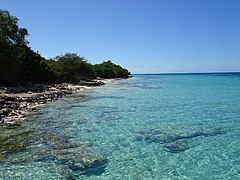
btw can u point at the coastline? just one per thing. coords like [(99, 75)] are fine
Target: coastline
[(16, 102)]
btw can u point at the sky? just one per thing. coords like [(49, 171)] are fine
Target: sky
[(144, 36)]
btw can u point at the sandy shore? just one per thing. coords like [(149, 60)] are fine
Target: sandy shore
[(18, 101)]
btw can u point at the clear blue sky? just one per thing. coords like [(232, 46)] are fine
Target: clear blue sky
[(147, 36)]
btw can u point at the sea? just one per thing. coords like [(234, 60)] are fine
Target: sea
[(151, 126)]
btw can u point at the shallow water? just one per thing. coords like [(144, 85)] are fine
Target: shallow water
[(148, 127)]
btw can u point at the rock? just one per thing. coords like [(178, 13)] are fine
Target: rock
[(9, 98), (5, 111), (62, 150), (176, 147), (83, 164), (2, 101), (14, 142), (91, 83), (161, 137), (175, 142), (46, 93)]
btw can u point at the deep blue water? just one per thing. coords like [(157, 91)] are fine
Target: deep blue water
[(148, 127)]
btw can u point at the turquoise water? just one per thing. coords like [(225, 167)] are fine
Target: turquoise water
[(147, 127)]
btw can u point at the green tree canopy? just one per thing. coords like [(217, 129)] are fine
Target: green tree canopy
[(71, 67), (18, 63), (10, 33), (107, 69), (12, 38)]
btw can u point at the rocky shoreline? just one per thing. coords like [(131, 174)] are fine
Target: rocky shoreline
[(18, 101)]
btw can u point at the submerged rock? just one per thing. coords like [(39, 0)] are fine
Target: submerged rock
[(88, 167), (13, 143), (176, 147), (175, 142), (28, 146)]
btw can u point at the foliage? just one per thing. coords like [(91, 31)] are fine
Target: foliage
[(108, 69), (10, 33), (71, 67), (20, 64), (12, 38), (34, 68)]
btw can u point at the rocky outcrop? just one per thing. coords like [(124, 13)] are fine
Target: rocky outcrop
[(16, 101)]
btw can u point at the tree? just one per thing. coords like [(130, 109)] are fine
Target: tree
[(12, 38), (108, 69), (71, 67), (18, 63), (10, 33)]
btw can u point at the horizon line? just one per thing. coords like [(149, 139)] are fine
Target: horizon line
[(170, 73)]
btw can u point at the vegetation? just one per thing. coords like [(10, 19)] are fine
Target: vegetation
[(110, 70), (71, 67), (20, 64)]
